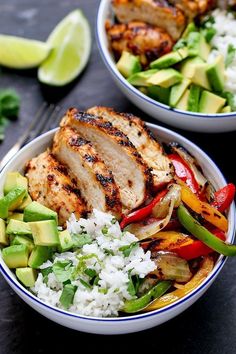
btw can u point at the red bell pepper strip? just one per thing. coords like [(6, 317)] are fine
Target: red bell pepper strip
[(184, 172), (224, 197), (144, 212), (197, 248)]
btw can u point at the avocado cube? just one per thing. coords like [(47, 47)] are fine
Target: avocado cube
[(16, 256), (39, 255), (44, 233), (27, 200), (216, 74), (15, 216), (169, 59), (128, 64), (27, 276), (23, 240), (193, 100), (183, 102), (226, 109), (38, 212), (210, 103), (159, 93), (11, 201), (177, 91), (190, 28), (140, 79), (13, 180), (186, 67), (165, 78), (65, 241), (198, 46), (16, 227), (3, 236), (199, 76)]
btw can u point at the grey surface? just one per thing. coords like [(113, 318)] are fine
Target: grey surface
[(209, 326)]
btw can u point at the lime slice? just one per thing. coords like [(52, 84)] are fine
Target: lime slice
[(71, 43), (21, 53)]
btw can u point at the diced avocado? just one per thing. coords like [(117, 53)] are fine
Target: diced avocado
[(140, 79), (190, 28), (27, 276), (159, 93), (143, 90), (165, 78), (16, 256), (183, 102), (13, 180), (204, 48), (186, 67), (11, 201), (226, 109), (15, 216), (170, 59), (3, 236), (198, 46), (25, 203), (210, 103), (128, 64), (38, 256), (199, 76), (23, 240), (44, 233), (38, 212), (177, 91), (65, 241), (193, 99), (216, 74), (16, 227)]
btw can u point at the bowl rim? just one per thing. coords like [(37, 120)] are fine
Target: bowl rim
[(107, 59), (7, 273)]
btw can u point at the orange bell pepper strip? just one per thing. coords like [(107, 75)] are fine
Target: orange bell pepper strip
[(197, 279), (208, 212)]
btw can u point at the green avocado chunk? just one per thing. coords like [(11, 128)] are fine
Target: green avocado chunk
[(177, 91), (170, 59), (198, 46), (65, 241), (210, 103), (186, 67), (25, 203), (38, 212), (23, 240), (11, 201), (193, 99), (226, 109), (27, 276), (183, 102), (16, 227), (3, 236), (15, 216), (216, 74), (165, 78), (39, 255), (190, 28), (128, 64), (140, 79), (159, 93), (16, 256), (44, 233), (13, 180)]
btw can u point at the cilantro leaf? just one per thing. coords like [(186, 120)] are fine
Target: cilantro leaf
[(128, 249), (9, 103), (81, 240), (67, 295), (45, 273), (63, 270), (230, 55)]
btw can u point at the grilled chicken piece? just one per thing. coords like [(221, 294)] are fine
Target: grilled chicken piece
[(139, 38), (50, 185), (144, 141), (155, 12), (130, 171), (192, 8), (95, 182)]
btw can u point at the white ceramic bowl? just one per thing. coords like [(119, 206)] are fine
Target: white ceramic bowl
[(206, 123), (121, 324)]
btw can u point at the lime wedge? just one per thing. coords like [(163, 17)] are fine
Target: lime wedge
[(21, 53), (71, 43)]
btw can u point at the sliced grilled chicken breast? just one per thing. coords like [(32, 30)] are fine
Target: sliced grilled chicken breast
[(139, 38), (144, 141), (192, 8), (94, 180), (130, 172), (159, 13), (50, 185)]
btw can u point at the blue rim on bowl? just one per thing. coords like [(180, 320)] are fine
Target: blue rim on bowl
[(106, 56), (6, 272)]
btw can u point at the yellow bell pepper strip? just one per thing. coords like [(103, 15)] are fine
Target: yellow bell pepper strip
[(197, 279), (136, 305), (208, 212), (202, 234), (166, 240)]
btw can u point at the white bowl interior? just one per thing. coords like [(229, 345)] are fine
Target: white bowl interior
[(137, 322)]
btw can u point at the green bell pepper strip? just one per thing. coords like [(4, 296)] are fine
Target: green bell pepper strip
[(201, 233), (136, 305)]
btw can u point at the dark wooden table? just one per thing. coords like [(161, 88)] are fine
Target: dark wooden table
[(209, 326)]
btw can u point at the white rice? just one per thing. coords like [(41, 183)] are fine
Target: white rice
[(225, 26), (108, 296)]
